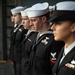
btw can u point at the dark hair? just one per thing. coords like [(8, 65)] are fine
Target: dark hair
[(73, 21), (47, 15), (19, 13)]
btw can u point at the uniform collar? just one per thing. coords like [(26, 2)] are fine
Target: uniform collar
[(15, 25), (47, 32), (67, 50)]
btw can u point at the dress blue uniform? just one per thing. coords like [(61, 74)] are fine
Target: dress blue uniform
[(44, 54), (66, 65), (26, 50), (15, 48)]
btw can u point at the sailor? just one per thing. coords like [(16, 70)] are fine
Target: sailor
[(16, 38), (63, 28), (27, 43), (45, 49)]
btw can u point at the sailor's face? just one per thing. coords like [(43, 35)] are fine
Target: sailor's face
[(62, 30), (26, 22), (36, 22), (17, 18)]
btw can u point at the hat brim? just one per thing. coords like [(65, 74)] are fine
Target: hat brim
[(59, 15)]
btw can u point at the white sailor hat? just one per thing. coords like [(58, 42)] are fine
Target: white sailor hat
[(24, 13), (51, 8), (38, 9), (17, 9), (63, 11)]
